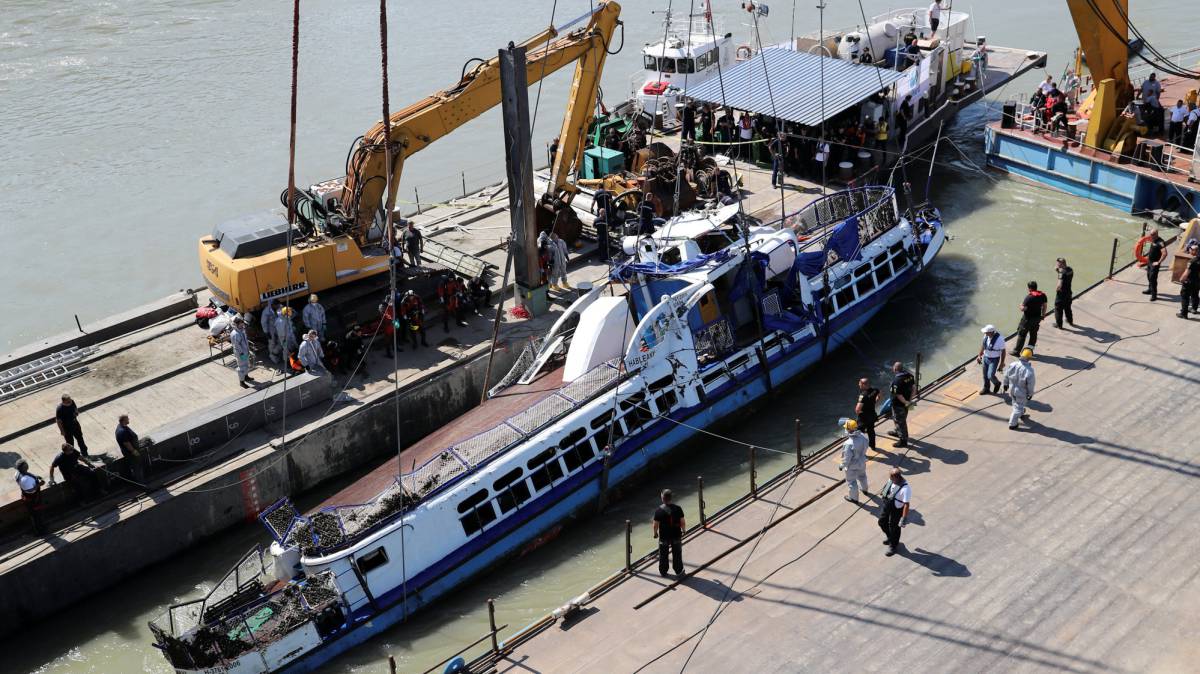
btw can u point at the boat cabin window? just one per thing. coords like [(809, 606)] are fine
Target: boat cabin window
[(512, 490), (686, 65), (479, 518), (883, 273), (844, 297), (661, 383), (665, 65), (544, 469), (865, 285), (651, 62), (576, 456), (372, 560), (473, 500), (602, 420), (707, 59)]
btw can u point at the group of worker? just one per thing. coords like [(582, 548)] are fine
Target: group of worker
[(83, 479), (278, 324)]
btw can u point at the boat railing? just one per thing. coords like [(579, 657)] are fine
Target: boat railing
[(874, 206), (1175, 158), (192, 640), (333, 527)]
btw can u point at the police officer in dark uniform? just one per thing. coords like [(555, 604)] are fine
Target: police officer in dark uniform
[(1155, 255), (864, 409), (903, 388), (688, 115), (669, 526), (1189, 293), (1062, 294), (646, 218), (602, 208), (1033, 310)]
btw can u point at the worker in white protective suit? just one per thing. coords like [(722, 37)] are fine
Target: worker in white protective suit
[(311, 355), (284, 342), (269, 315), (1019, 383), (241, 351), (314, 316), (854, 460)]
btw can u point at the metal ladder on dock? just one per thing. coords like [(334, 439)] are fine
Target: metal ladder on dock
[(44, 371)]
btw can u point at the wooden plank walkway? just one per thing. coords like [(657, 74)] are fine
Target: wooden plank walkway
[(1064, 546)]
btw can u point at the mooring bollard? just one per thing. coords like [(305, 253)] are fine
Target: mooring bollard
[(799, 448), (492, 623), (1112, 261), (753, 475), (700, 498), (629, 546)]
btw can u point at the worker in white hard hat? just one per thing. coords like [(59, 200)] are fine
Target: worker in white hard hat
[(1019, 381), (314, 316), (854, 460), (991, 357)]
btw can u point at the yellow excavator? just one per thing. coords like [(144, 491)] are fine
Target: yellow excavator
[(339, 237)]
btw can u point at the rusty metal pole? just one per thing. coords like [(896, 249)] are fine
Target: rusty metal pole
[(629, 546), (417, 198), (753, 475), (464, 183), (799, 448), (1112, 261), (917, 377), (700, 498), (392, 664), (492, 623)]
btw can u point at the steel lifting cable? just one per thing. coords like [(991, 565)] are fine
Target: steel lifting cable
[(774, 112), (291, 205), (542, 78), (391, 230)]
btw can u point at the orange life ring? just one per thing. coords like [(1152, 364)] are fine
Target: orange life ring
[(1137, 250)]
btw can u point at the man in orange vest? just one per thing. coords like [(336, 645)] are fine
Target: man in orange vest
[(451, 295)]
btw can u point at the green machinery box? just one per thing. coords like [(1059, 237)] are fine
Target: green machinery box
[(601, 161)]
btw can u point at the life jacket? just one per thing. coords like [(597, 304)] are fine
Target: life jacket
[(294, 363)]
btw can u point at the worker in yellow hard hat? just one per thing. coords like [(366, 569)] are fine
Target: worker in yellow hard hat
[(854, 460), (1019, 382)]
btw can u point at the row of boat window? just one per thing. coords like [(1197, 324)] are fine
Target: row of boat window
[(869, 276), (576, 450)]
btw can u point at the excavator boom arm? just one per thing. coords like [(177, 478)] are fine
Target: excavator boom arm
[(425, 121), (1104, 39)]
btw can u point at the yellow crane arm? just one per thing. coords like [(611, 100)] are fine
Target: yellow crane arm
[(425, 121), (1104, 38)]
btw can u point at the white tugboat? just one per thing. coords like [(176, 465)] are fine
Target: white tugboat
[(689, 55)]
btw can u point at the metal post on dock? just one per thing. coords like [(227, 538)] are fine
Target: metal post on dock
[(464, 183), (917, 377), (492, 623), (799, 448), (753, 475), (392, 664), (417, 198), (629, 546), (700, 499), (1112, 261)]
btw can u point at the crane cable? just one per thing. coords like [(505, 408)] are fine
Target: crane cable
[(389, 205)]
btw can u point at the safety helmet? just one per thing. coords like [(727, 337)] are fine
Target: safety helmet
[(851, 425), (1026, 353), (286, 311)]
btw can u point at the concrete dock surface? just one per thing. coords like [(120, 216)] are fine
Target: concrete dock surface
[(1064, 546)]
